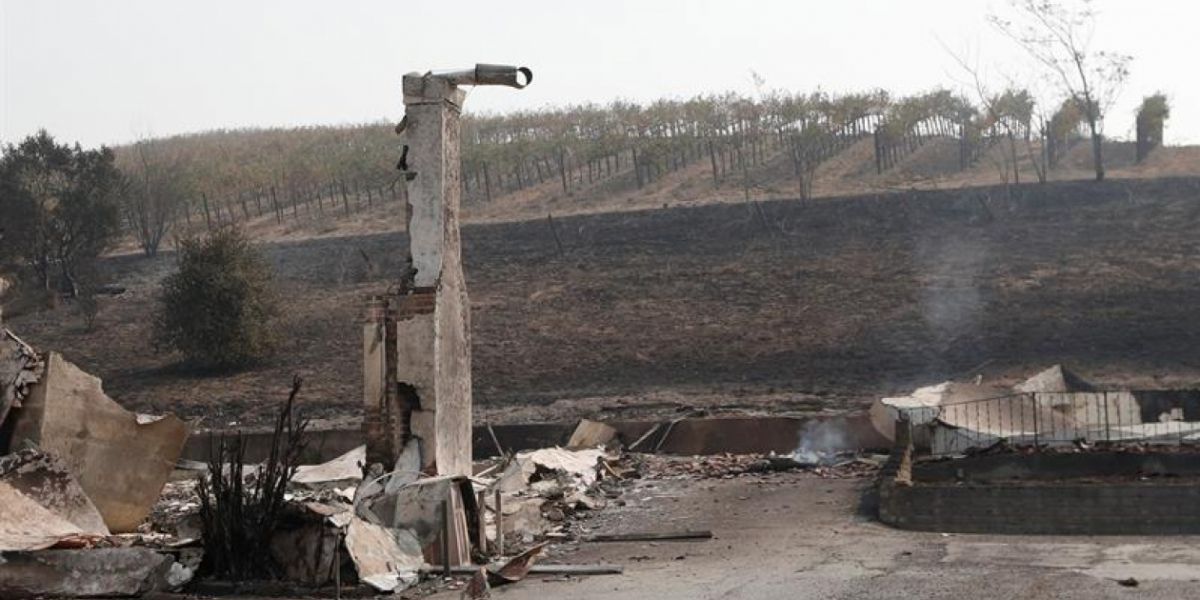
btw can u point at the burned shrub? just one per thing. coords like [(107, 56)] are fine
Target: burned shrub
[(240, 513), (218, 308)]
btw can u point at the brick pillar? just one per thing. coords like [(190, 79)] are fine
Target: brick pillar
[(377, 424)]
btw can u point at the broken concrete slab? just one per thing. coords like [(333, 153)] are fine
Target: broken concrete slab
[(515, 476), (549, 474), (27, 525), (549, 488), (582, 465), (342, 471), (925, 404), (420, 507), (523, 516), (97, 572), (121, 464), (1055, 379), (1056, 419), (48, 482), (591, 434), (581, 501), (388, 560), (184, 568)]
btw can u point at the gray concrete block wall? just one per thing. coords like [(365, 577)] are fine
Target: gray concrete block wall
[(1160, 507)]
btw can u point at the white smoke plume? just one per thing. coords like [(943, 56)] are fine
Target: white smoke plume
[(820, 442)]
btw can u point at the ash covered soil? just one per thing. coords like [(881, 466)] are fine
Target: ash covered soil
[(780, 306)]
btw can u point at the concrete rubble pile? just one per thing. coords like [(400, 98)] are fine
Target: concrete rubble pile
[(1054, 407), (78, 477), (351, 524), (64, 531), (848, 465), (392, 527)]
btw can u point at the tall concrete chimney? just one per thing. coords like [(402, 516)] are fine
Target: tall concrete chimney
[(417, 345)]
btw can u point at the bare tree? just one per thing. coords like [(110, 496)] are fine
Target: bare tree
[(158, 186), (1058, 35), (1011, 113)]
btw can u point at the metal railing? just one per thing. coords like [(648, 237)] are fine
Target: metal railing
[(1051, 419)]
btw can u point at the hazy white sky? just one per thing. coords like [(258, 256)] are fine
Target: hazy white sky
[(111, 71)]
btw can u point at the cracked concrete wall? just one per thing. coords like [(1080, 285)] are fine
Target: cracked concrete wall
[(432, 114), (452, 386)]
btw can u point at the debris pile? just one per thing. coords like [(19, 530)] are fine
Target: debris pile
[(90, 490), (20, 368), (538, 490), (78, 477), (84, 492), (844, 465), (347, 523)]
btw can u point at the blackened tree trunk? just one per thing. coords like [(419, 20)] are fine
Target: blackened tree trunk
[(712, 157), (1097, 150), (487, 183), (562, 170)]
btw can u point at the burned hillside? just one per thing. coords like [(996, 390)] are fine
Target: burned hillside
[(799, 306)]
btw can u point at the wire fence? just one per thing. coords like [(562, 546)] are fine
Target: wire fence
[(335, 199), (1050, 419)]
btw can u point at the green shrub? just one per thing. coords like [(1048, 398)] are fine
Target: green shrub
[(217, 310), (1155, 110)]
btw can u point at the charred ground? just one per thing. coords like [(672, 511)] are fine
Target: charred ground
[(780, 306)]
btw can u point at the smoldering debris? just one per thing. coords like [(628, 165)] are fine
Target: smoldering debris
[(337, 528), (729, 466), (341, 523), (820, 443)]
